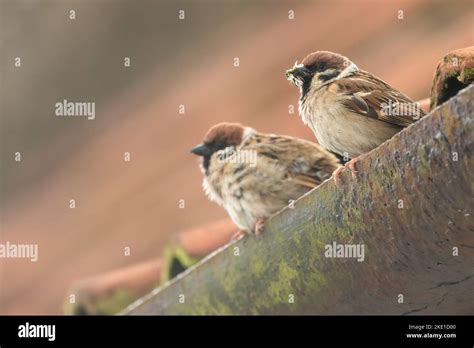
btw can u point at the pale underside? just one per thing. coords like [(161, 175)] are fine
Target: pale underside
[(340, 130)]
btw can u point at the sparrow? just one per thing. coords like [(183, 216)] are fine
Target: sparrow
[(349, 110), (254, 175)]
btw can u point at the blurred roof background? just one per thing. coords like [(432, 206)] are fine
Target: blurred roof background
[(190, 62)]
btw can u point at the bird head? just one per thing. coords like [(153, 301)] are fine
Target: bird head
[(319, 68), (219, 137)]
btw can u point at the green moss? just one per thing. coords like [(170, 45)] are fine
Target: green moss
[(69, 308), (116, 302), (279, 289), (107, 305), (452, 73), (468, 75), (423, 167), (172, 254), (257, 266)]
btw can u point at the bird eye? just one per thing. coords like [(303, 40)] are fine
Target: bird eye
[(320, 66)]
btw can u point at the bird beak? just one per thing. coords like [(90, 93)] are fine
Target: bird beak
[(299, 71), (201, 150)]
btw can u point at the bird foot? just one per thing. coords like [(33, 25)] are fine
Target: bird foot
[(351, 165), (260, 226)]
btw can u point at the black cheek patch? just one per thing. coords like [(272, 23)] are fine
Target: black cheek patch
[(328, 76)]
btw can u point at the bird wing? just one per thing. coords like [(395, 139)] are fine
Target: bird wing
[(305, 163), (306, 180), (369, 96)]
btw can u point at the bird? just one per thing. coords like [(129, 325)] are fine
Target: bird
[(349, 110), (253, 175)]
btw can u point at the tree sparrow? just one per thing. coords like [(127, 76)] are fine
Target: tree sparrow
[(349, 110), (254, 175)]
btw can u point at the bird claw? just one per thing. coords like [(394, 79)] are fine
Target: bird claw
[(336, 175), (260, 226), (351, 165)]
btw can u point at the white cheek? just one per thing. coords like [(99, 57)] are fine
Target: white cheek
[(315, 82)]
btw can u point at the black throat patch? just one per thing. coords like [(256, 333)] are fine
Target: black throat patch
[(304, 89)]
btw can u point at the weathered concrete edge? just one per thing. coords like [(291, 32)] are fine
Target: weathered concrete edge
[(169, 283), (195, 281)]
